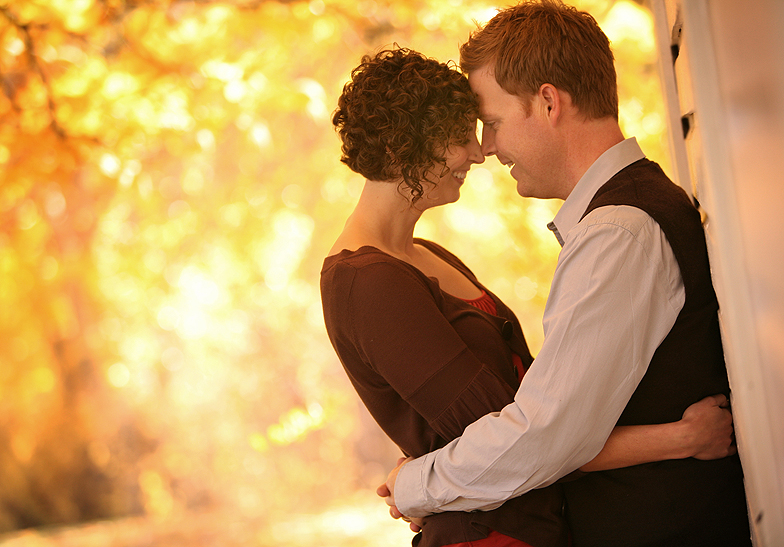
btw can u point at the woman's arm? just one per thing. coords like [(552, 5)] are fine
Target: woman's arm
[(412, 368), (705, 432)]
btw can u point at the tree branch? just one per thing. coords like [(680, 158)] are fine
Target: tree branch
[(29, 43)]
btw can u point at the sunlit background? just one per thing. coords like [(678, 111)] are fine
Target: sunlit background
[(169, 186)]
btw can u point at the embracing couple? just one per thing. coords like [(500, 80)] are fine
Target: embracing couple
[(618, 433)]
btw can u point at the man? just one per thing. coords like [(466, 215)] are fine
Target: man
[(631, 326)]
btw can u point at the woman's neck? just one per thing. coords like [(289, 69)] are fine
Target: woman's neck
[(383, 218)]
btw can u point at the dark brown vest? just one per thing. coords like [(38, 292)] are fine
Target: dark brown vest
[(676, 502)]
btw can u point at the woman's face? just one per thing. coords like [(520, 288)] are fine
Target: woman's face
[(459, 159)]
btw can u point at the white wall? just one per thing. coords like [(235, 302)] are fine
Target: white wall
[(728, 82)]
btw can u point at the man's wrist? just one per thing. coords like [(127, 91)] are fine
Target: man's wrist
[(408, 485), (684, 439)]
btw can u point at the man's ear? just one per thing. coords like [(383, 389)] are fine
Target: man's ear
[(551, 101)]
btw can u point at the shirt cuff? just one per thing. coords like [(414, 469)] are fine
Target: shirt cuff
[(409, 493)]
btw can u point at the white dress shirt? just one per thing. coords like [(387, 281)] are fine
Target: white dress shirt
[(615, 295)]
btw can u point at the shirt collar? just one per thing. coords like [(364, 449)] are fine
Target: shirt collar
[(608, 164)]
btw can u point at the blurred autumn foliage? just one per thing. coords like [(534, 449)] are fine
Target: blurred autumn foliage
[(169, 185)]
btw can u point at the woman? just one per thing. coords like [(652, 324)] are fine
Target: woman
[(428, 348)]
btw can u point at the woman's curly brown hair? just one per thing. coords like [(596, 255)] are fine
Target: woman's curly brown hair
[(399, 113)]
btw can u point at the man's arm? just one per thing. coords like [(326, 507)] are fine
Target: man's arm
[(615, 295), (704, 432)]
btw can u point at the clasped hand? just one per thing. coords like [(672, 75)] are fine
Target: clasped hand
[(706, 434), (387, 491)]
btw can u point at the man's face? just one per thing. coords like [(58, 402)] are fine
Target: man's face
[(519, 138)]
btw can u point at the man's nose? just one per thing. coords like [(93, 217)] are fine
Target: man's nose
[(475, 154), (488, 141)]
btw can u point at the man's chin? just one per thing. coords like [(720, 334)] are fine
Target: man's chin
[(526, 187), (522, 188)]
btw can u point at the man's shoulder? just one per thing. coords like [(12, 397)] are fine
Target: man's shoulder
[(625, 217)]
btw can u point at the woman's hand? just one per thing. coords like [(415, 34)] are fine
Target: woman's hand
[(709, 434), (414, 524), (387, 491)]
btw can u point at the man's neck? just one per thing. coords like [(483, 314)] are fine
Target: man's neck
[(587, 140)]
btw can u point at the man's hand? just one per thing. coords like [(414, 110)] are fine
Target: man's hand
[(387, 491), (710, 421)]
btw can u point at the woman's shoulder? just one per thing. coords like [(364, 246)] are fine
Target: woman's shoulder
[(446, 256), (358, 258), (438, 250), (368, 267), (433, 246)]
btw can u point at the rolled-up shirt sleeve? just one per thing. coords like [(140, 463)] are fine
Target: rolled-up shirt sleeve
[(615, 295)]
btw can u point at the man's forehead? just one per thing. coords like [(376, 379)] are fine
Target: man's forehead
[(484, 112), (488, 110), (481, 83), (494, 101), (489, 106), (481, 75)]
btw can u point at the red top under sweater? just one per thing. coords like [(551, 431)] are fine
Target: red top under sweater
[(487, 304)]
